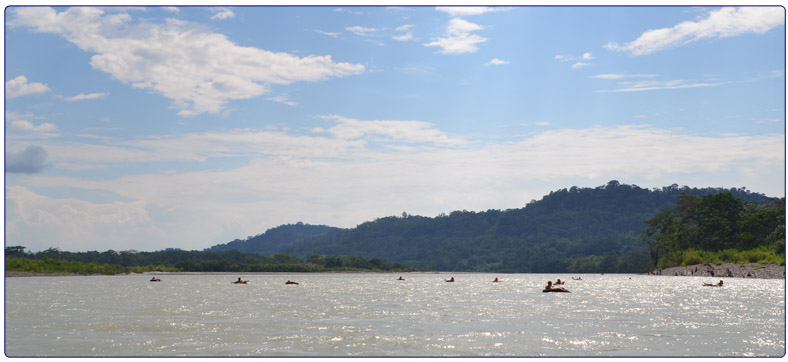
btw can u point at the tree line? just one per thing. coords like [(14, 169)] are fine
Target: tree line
[(717, 228), (582, 230), (54, 260)]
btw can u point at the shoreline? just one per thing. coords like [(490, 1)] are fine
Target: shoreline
[(727, 270)]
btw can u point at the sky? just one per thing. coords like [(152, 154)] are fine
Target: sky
[(145, 128)]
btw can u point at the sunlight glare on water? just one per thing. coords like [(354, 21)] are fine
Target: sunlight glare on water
[(349, 314)]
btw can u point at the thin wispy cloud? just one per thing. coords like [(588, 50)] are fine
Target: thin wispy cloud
[(407, 35), (331, 34), (578, 61), (718, 24), (223, 14), (469, 10), (83, 96), (282, 99), (361, 30), (496, 61), (652, 85), (623, 76)]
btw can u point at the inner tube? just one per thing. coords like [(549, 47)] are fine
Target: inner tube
[(555, 290)]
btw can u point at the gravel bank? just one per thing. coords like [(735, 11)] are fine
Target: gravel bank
[(761, 271)]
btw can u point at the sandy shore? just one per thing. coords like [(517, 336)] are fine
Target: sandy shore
[(761, 271)]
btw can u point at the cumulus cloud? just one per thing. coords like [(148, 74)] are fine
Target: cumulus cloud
[(25, 125), (458, 38), (723, 23), (19, 86), (30, 160), (200, 71)]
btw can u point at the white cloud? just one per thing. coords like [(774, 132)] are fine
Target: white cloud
[(580, 61), (198, 70), (223, 14), (464, 10), (723, 23), (27, 129), (623, 76), (496, 61), (392, 131), (408, 35), (650, 85), (458, 38), (19, 86), (83, 96), (361, 31), (282, 99), (333, 35), (25, 125)]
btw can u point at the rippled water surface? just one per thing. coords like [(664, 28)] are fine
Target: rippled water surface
[(376, 315)]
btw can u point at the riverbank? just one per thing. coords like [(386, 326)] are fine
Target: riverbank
[(759, 271)]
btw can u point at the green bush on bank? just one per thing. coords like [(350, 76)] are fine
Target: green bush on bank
[(759, 255)]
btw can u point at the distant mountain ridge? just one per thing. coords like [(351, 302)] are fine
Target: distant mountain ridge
[(578, 229)]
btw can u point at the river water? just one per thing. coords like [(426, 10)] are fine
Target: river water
[(377, 315)]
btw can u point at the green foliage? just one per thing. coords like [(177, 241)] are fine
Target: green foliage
[(173, 260), (717, 228), (759, 255), (569, 230)]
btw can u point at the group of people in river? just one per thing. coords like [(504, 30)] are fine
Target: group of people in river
[(550, 287)]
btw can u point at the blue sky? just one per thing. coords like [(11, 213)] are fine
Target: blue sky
[(152, 127)]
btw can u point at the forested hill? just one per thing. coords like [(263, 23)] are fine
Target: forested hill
[(277, 239), (575, 229)]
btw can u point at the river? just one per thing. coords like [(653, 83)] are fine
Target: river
[(349, 314)]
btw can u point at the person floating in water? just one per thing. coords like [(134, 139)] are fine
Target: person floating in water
[(400, 278), (496, 280), (154, 279), (240, 281), (559, 282), (713, 285), (291, 282), (578, 278), (451, 280), (549, 285)]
